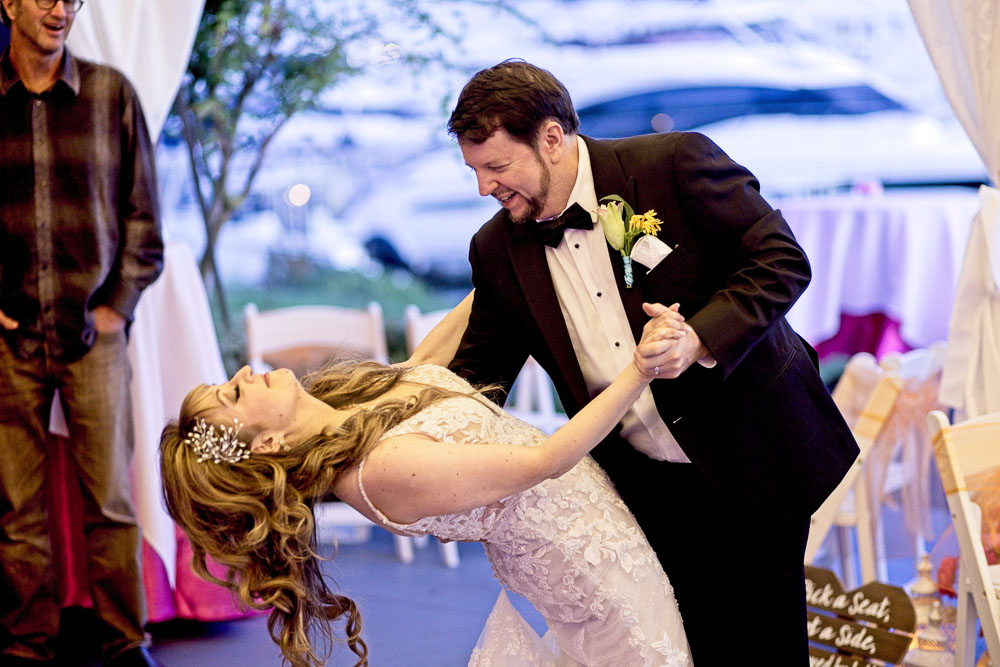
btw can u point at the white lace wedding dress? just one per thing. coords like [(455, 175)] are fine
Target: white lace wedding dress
[(569, 545)]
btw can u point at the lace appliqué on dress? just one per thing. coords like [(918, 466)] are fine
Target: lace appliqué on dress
[(569, 545), (508, 641)]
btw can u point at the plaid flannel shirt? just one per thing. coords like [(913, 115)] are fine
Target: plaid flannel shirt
[(79, 216)]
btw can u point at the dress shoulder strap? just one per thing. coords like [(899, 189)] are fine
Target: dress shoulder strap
[(382, 517)]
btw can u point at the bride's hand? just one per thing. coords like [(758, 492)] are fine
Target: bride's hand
[(686, 350), (659, 335)]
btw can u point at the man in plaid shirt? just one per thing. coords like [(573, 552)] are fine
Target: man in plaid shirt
[(79, 241)]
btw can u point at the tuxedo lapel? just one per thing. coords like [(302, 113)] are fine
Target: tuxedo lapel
[(528, 258), (609, 179)]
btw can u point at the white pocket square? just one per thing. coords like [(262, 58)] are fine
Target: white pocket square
[(649, 251)]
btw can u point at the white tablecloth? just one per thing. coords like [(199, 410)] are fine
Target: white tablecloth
[(893, 253)]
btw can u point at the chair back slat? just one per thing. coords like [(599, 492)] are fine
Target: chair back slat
[(311, 334), (963, 451)]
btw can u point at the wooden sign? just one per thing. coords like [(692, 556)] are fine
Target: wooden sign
[(882, 604), (875, 621), (821, 658)]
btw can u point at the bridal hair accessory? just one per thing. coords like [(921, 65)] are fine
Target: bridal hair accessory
[(217, 443), (612, 217)]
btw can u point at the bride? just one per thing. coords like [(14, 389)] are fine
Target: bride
[(419, 451)]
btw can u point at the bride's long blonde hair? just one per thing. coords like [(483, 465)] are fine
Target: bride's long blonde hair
[(255, 517)]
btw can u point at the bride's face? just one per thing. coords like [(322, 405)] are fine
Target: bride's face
[(261, 402)]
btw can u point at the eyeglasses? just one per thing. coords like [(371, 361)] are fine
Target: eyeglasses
[(71, 6)]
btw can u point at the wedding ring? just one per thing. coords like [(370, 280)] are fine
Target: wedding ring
[(656, 370)]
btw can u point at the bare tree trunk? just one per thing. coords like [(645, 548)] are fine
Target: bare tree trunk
[(208, 265), (210, 274)]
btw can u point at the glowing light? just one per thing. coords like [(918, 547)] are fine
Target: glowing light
[(662, 122), (298, 195)]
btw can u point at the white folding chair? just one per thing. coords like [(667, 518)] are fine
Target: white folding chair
[(304, 338), (885, 404), (416, 325), (865, 395), (531, 395), (531, 398), (904, 450), (962, 451)]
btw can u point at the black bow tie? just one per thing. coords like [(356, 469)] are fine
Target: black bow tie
[(550, 232)]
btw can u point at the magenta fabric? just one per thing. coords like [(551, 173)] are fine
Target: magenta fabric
[(66, 526), (875, 333), (193, 598)]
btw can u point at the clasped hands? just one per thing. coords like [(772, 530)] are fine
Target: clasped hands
[(668, 345)]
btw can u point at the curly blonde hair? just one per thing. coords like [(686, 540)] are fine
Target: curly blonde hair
[(255, 517)]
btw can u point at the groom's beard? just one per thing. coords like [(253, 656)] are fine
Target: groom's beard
[(536, 204)]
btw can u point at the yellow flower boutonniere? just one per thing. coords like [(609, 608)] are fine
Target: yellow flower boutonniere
[(612, 217)]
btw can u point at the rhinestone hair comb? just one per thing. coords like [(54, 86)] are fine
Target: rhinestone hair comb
[(218, 443)]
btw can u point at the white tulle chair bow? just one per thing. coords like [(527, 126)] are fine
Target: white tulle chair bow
[(885, 404)]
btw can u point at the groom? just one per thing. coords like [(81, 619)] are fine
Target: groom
[(722, 461)]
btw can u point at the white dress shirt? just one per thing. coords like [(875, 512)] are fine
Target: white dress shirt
[(582, 274)]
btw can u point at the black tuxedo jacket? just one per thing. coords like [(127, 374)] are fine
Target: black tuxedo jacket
[(760, 425)]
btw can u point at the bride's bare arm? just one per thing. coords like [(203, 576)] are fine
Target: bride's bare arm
[(409, 477), (441, 343)]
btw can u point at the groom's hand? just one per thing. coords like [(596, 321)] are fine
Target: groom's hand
[(659, 335), (683, 351)]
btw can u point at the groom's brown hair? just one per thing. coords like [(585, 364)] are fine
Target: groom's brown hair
[(515, 96)]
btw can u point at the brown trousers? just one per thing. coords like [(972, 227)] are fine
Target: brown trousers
[(95, 399)]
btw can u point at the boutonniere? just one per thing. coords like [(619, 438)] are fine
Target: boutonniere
[(612, 217)]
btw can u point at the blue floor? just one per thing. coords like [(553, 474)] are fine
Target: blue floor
[(415, 615), (421, 614)]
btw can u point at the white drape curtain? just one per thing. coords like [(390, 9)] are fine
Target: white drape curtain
[(963, 39), (148, 40)]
